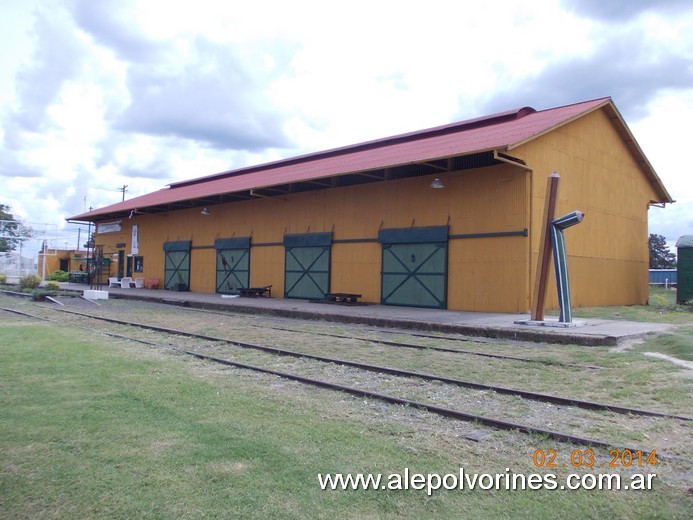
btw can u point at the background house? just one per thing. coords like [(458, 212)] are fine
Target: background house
[(61, 260), (447, 217)]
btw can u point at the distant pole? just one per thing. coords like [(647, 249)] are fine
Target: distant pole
[(544, 257), (90, 264), (45, 250), (123, 189)]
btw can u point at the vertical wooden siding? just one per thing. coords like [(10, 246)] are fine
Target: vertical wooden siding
[(607, 252), (485, 274)]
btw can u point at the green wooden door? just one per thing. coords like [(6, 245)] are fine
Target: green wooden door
[(233, 264), (414, 267), (177, 265), (307, 265)]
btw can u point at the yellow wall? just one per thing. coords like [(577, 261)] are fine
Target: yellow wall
[(485, 274), (607, 253), (75, 259), (488, 274)]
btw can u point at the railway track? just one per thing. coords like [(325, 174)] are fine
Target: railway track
[(442, 349), (267, 367), (407, 345), (421, 347), (590, 405)]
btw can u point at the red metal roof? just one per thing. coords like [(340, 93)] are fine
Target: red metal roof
[(501, 131)]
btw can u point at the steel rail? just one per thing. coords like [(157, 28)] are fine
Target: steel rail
[(420, 347), (536, 396), (22, 313), (438, 349), (439, 410)]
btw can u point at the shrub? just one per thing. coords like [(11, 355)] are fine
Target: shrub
[(59, 276), (39, 295), (29, 282), (3, 278), (52, 286)]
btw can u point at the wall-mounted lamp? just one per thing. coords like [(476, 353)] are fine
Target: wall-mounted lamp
[(437, 184), (204, 212), (134, 212)]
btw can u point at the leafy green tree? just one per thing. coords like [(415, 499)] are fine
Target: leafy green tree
[(660, 256), (12, 231)]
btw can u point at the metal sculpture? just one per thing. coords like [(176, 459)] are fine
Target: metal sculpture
[(553, 241), (560, 261)]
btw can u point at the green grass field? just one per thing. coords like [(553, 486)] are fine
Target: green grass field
[(94, 427), (662, 309)]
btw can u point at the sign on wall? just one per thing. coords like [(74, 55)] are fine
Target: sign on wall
[(109, 227), (135, 242)]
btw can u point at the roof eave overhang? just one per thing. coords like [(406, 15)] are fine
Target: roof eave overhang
[(639, 155), (390, 172)]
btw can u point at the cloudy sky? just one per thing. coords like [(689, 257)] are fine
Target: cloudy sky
[(98, 94)]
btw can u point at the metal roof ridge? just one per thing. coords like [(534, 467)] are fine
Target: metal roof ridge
[(594, 104), (467, 124)]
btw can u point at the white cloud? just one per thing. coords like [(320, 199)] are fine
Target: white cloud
[(97, 95), (663, 137)]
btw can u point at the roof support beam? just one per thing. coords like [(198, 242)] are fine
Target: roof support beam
[(325, 184), (254, 193), (509, 159), (370, 175), (435, 166)]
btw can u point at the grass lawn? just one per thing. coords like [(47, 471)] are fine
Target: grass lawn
[(94, 427), (662, 309)]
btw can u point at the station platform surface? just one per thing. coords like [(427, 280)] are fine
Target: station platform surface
[(593, 332)]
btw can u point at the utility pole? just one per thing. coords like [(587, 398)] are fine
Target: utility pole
[(123, 189)]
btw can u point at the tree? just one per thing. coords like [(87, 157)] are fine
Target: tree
[(12, 231), (660, 256)]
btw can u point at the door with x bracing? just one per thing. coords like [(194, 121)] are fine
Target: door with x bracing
[(177, 270), (415, 275), (307, 272), (233, 270)]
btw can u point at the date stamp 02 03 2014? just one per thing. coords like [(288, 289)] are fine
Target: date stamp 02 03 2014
[(587, 459)]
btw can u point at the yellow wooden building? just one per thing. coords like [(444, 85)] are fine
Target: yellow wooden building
[(61, 260), (448, 217)]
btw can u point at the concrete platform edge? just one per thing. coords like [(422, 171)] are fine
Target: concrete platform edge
[(537, 336)]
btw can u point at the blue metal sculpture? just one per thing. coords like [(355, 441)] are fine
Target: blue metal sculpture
[(560, 261)]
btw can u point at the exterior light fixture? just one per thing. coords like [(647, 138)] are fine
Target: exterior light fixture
[(437, 184), (204, 212)]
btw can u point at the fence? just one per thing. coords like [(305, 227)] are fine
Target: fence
[(663, 277)]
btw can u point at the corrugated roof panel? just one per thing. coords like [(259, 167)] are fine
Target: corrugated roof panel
[(499, 131)]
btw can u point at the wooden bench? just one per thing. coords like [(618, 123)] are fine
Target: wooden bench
[(151, 283), (342, 297), (256, 291)]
